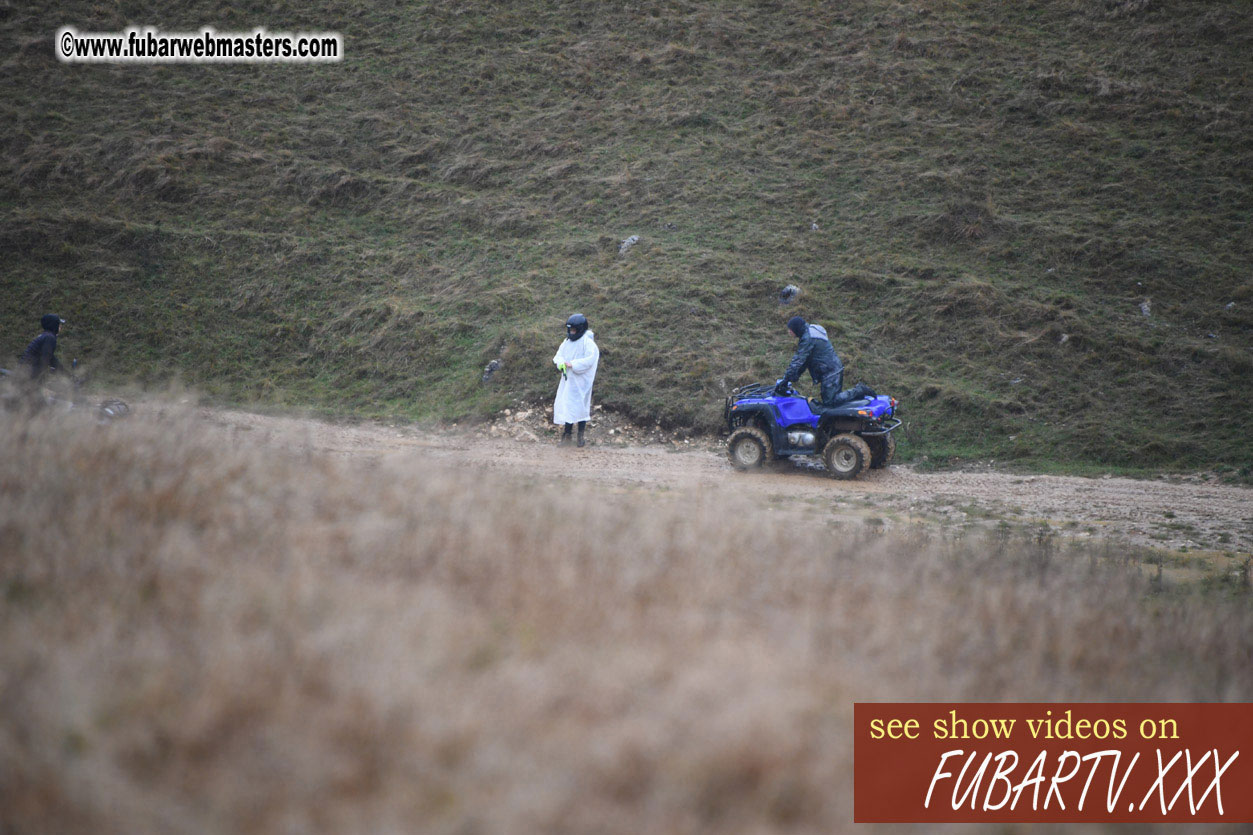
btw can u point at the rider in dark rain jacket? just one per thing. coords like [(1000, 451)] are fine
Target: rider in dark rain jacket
[(41, 353), (815, 354)]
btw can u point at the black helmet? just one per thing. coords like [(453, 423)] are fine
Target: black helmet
[(51, 322), (576, 326)]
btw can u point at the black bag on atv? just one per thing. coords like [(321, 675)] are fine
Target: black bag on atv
[(858, 392)]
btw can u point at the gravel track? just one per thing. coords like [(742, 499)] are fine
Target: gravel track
[(1192, 513)]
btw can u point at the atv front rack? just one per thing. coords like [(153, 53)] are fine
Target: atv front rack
[(752, 390), (744, 392)]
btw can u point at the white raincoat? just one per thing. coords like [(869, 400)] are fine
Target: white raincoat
[(574, 392)]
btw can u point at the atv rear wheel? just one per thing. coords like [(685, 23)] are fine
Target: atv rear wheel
[(846, 455), (882, 450), (748, 447)]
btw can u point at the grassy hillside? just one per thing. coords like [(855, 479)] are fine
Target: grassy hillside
[(997, 189)]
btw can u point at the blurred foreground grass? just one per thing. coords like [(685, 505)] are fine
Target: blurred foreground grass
[(202, 634)]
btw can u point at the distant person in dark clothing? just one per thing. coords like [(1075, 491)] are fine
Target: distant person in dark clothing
[(814, 354), (41, 353)]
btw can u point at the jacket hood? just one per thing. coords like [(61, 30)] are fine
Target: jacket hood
[(818, 332)]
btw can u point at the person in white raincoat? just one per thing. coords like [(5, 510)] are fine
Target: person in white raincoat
[(576, 359)]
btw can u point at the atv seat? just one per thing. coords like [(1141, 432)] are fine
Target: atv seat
[(848, 409)]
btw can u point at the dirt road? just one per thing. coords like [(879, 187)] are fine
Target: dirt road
[(1172, 515)]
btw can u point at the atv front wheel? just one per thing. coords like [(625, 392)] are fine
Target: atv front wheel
[(882, 450), (748, 447), (846, 455)]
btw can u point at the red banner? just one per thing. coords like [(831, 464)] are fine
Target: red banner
[(1058, 763)]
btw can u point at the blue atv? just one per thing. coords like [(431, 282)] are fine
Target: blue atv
[(852, 436)]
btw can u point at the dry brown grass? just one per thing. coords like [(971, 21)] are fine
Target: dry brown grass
[(201, 634)]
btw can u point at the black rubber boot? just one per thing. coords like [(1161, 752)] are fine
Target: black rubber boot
[(582, 424), (565, 434)]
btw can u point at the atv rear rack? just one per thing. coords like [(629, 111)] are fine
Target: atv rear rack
[(895, 422)]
